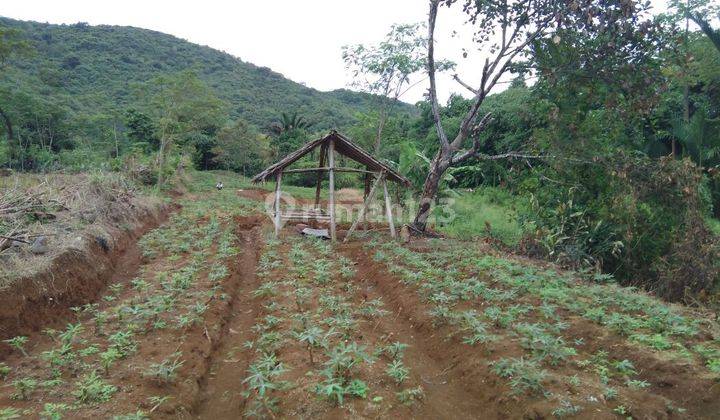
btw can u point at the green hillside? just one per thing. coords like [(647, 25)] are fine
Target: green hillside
[(94, 68)]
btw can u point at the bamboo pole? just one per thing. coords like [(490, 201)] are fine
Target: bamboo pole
[(366, 204), (323, 152), (365, 195), (278, 180), (326, 169), (331, 198), (388, 208)]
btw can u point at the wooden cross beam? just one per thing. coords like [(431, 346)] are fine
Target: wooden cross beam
[(366, 204)]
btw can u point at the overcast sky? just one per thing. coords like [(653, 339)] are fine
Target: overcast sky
[(302, 39)]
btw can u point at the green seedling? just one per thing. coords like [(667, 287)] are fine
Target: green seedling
[(54, 411), (92, 389), (398, 371), (71, 332), (157, 401), (4, 370), (18, 343), (9, 413), (312, 337), (408, 396), (23, 388), (138, 415), (165, 372), (637, 384), (566, 409), (395, 350), (108, 358), (610, 393), (123, 342), (524, 375)]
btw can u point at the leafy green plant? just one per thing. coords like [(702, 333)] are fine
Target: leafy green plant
[(332, 389), (123, 342), (525, 375), (138, 415), (625, 367), (266, 289), (4, 370), (566, 409), (164, 372), (398, 371), (394, 350), (373, 309), (656, 341), (410, 395), (714, 365), (23, 388), (343, 358), (313, 337), (637, 384), (263, 379), (54, 411), (18, 343), (9, 413), (610, 393), (108, 358), (92, 389)]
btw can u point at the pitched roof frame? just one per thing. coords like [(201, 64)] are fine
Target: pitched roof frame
[(344, 146)]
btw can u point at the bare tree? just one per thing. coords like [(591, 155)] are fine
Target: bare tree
[(505, 29)]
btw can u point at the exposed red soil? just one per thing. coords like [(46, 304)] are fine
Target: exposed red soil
[(220, 386), (464, 386), (456, 378), (73, 278), (683, 385), (198, 343)]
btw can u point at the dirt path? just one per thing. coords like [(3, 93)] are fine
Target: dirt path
[(444, 395), (451, 387), (220, 390)]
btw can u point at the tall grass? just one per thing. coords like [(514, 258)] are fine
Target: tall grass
[(714, 225), (488, 212)]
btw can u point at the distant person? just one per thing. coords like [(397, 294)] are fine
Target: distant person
[(219, 186)]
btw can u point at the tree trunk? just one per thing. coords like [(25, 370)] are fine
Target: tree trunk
[(8, 125), (381, 126), (438, 166), (707, 29), (11, 136)]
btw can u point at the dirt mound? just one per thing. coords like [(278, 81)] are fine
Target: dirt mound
[(37, 289)]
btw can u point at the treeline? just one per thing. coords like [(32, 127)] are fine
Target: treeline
[(615, 169), (612, 159), (69, 95)]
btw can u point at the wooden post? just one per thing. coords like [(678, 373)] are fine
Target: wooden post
[(331, 182), (278, 180), (366, 204), (388, 208), (323, 152), (365, 196)]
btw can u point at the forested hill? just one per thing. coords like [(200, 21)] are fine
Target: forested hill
[(94, 68)]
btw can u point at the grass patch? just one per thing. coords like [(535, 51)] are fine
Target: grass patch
[(714, 225), (487, 212)]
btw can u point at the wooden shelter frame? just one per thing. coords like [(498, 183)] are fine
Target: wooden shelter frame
[(330, 145)]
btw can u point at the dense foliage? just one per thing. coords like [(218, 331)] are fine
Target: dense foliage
[(80, 86), (602, 154)]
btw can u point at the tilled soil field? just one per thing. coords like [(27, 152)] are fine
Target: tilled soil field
[(221, 321)]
